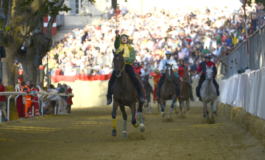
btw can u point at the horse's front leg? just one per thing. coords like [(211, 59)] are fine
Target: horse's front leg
[(124, 115), (162, 107), (140, 110), (214, 107), (206, 110), (114, 111), (172, 106), (133, 110)]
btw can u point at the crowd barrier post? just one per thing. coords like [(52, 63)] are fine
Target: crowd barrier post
[(8, 107), (16, 99), (0, 116)]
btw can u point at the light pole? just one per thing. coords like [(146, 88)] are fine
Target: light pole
[(37, 35), (2, 49)]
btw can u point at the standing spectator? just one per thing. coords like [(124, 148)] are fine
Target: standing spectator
[(3, 101), (62, 102), (34, 99), (40, 96), (27, 99), (19, 102), (69, 99)]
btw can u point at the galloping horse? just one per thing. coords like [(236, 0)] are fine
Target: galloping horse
[(168, 90), (148, 91), (208, 93), (124, 94), (185, 90)]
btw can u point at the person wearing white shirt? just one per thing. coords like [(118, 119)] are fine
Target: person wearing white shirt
[(162, 67)]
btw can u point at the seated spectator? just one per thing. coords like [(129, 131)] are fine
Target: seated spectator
[(47, 107)]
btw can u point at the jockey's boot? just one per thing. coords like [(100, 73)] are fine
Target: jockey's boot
[(141, 98), (109, 100)]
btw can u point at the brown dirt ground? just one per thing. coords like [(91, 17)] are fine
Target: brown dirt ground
[(86, 134)]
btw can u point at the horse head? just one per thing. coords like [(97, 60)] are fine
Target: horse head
[(119, 63), (187, 76), (169, 71), (209, 73)]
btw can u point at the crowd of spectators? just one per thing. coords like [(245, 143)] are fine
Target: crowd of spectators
[(189, 34)]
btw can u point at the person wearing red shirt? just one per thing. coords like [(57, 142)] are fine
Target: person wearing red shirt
[(19, 102), (69, 99), (156, 78), (3, 100), (180, 73), (35, 99), (202, 69), (138, 68)]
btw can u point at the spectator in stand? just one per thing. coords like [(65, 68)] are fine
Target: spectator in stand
[(3, 101)]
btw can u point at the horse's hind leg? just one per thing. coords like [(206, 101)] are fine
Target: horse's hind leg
[(124, 115), (140, 110), (133, 110), (114, 110)]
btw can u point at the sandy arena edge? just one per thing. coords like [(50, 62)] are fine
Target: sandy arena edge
[(249, 122)]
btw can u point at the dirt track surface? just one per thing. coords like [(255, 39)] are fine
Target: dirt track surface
[(86, 134)]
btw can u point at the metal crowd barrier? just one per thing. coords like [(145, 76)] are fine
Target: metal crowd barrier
[(17, 94)]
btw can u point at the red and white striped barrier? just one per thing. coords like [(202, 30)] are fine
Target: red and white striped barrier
[(246, 91), (45, 24)]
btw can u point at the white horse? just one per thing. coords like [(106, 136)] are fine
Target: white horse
[(208, 93)]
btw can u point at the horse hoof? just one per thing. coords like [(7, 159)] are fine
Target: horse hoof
[(162, 114), (135, 125), (212, 117), (207, 116), (124, 134), (142, 129), (204, 115), (169, 117), (114, 133), (176, 112)]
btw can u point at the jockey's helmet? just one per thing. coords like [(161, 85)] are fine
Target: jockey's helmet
[(207, 56), (136, 64), (156, 71), (168, 53)]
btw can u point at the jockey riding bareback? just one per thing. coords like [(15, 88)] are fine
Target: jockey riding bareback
[(180, 73), (202, 70), (122, 44), (162, 67)]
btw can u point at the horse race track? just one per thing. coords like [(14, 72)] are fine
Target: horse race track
[(86, 134)]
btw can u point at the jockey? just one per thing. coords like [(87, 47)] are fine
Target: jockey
[(180, 73), (138, 68), (121, 43), (156, 79), (202, 69), (162, 67)]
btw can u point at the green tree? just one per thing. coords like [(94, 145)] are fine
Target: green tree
[(23, 17)]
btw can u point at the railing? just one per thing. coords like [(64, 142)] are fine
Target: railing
[(239, 58), (17, 94)]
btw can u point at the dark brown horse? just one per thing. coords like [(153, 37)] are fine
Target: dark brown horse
[(168, 90), (124, 95), (148, 92), (185, 90)]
